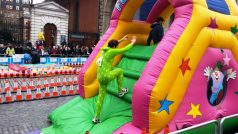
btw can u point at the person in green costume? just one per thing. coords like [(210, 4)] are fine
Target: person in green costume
[(106, 73)]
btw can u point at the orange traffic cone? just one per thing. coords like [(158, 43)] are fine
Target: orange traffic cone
[(143, 131), (78, 70), (1, 99), (20, 74), (14, 74), (9, 97), (19, 96), (47, 92), (28, 94), (36, 74), (58, 83), (77, 91), (7, 86), (52, 82), (31, 86), (70, 81), (65, 81), (38, 94), (49, 73), (15, 86), (63, 91), (53, 72), (71, 89), (166, 129), (23, 88), (31, 74), (46, 84), (55, 91), (75, 80), (8, 74), (43, 72)]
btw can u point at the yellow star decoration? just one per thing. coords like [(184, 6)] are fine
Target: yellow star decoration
[(194, 111)]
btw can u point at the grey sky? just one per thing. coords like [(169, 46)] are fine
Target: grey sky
[(37, 1)]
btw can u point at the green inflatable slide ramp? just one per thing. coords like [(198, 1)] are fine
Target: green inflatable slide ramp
[(75, 117)]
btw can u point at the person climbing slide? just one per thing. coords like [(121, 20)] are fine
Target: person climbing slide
[(106, 74)]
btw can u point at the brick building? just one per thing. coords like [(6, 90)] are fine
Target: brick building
[(15, 19), (83, 21)]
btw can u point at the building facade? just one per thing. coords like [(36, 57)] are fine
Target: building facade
[(13, 23), (51, 19), (83, 21)]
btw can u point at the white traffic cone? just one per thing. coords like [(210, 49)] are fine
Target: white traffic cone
[(47, 93), (55, 91), (52, 82), (1, 98), (38, 94), (63, 91), (7, 86), (15, 86), (46, 84), (19, 96), (31, 86), (28, 94), (71, 87), (75, 80), (65, 81), (58, 83), (9, 97), (23, 87)]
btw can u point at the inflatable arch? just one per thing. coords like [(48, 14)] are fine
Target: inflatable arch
[(172, 90)]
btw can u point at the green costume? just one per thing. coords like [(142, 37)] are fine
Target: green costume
[(105, 73)]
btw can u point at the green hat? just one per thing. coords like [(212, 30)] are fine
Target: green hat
[(219, 65)]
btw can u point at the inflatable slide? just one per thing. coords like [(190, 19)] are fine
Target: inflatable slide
[(186, 79)]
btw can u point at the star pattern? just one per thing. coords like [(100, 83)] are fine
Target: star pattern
[(194, 111), (184, 66), (226, 60), (234, 29), (164, 105), (213, 23)]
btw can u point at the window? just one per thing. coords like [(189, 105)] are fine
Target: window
[(17, 1), (17, 7), (10, 7), (26, 1)]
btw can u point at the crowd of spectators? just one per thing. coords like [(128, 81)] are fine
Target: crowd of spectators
[(53, 51)]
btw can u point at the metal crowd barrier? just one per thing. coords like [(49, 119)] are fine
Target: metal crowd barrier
[(223, 120), (219, 124), (198, 126)]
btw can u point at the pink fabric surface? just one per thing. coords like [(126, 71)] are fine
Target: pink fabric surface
[(113, 25), (157, 9), (143, 87), (197, 93), (128, 129), (116, 14)]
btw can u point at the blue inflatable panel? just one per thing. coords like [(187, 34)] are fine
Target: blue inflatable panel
[(218, 6), (145, 9)]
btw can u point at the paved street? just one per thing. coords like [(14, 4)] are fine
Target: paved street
[(23, 117)]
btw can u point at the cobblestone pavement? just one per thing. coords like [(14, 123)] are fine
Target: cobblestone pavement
[(23, 117)]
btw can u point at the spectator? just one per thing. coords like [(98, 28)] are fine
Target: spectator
[(10, 50), (157, 32), (17, 49), (29, 44), (54, 50), (2, 51)]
